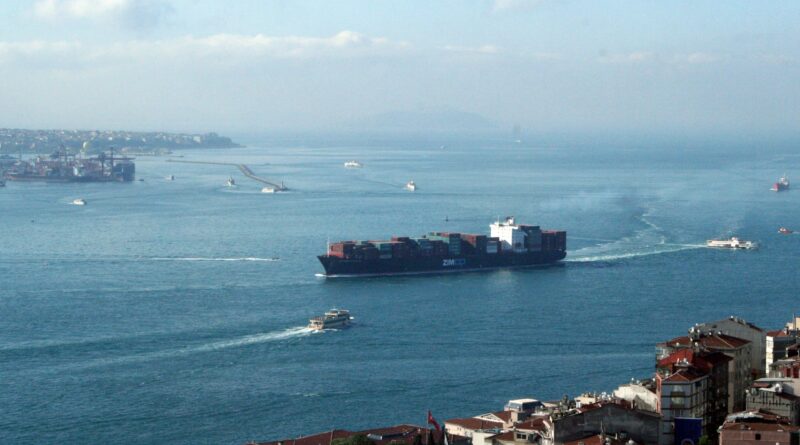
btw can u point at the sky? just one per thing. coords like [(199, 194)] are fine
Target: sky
[(668, 66)]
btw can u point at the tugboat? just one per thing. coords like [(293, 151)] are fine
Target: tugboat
[(781, 185), (785, 231), (411, 186), (732, 243), (353, 164), (334, 318), (79, 202)]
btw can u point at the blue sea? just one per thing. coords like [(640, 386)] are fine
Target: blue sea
[(174, 312)]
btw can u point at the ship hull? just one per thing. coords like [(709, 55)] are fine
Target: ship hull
[(341, 267), (58, 179)]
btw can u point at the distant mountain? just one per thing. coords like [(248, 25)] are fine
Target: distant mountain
[(426, 121)]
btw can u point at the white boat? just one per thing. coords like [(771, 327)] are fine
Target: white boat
[(230, 182), (268, 190), (79, 202), (353, 164), (411, 186), (170, 178), (732, 243), (334, 318)]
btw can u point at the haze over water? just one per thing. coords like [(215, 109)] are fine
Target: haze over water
[(174, 311)]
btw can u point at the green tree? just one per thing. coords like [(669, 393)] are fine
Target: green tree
[(704, 440)]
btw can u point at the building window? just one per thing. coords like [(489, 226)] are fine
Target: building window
[(758, 436)]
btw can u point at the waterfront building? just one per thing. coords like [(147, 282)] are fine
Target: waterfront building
[(682, 393), (610, 417), (740, 371), (758, 428), (641, 394), (779, 396), (739, 328), (776, 344)]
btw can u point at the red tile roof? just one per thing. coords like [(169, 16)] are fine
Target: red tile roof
[(505, 415), (702, 360), (403, 433), (759, 426), (685, 375), (532, 424), (506, 436), (715, 341), (472, 423)]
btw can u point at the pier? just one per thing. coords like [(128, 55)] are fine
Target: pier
[(242, 167)]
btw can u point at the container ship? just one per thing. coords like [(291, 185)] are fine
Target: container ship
[(508, 245), (64, 167)]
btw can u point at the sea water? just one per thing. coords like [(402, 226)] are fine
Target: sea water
[(175, 311)]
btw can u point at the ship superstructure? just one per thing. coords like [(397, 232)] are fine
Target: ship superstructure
[(781, 185), (64, 167), (508, 245)]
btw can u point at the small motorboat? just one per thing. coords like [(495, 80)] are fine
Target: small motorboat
[(79, 202), (170, 178), (268, 190), (230, 182), (785, 231), (411, 186), (353, 164)]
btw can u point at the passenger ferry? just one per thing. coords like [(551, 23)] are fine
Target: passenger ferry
[(732, 243), (334, 318)]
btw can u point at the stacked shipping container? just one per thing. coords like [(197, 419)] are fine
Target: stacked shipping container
[(446, 244)]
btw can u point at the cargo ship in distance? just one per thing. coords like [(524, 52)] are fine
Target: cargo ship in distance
[(509, 245), (64, 167), (781, 185)]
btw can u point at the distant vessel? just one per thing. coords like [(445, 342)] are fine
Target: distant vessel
[(64, 167), (353, 164), (781, 185), (170, 178), (230, 182), (334, 318), (411, 186), (732, 243), (267, 190), (785, 231), (79, 202), (2, 183)]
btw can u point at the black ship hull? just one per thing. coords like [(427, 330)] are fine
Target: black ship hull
[(342, 267), (61, 179)]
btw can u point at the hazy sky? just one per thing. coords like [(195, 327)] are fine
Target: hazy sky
[(549, 65)]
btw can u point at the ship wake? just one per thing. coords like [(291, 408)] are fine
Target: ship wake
[(247, 340), (650, 240), (257, 259)]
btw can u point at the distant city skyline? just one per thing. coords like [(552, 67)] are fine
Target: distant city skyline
[(546, 65)]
